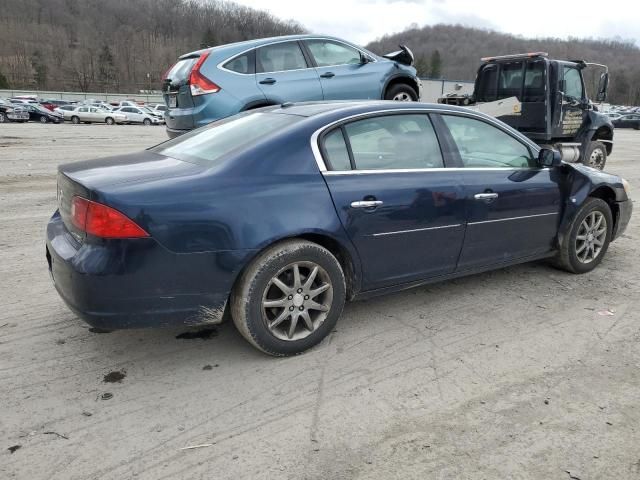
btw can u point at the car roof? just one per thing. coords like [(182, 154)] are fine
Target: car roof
[(248, 44)]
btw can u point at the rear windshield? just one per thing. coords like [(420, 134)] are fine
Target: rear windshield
[(210, 144), (179, 73)]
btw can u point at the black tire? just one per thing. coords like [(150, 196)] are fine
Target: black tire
[(401, 92), (109, 121), (43, 119), (146, 122), (567, 257), (253, 287), (3, 117), (595, 156), (75, 120)]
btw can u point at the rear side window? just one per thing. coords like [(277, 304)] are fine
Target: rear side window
[(394, 142), (488, 85), (336, 150), (244, 63), (210, 144), (280, 57), (481, 145)]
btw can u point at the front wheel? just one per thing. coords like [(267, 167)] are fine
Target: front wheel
[(289, 298), (44, 119), (401, 93), (146, 122), (595, 155), (588, 238), (75, 120), (109, 121), (3, 117)]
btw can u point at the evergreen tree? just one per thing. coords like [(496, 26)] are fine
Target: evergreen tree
[(40, 68), (107, 68), (436, 65), (422, 66), (4, 83)]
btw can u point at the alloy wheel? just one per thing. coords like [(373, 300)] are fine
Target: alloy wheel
[(591, 237), (297, 300), (596, 158), (402, 97)]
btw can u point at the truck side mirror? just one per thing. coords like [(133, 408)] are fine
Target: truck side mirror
[(549, 158), (603, 85)]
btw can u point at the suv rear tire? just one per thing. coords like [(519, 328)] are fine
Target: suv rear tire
[(289, 298), (401, 92)]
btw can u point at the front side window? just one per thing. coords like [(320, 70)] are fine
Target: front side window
[(484, 146), (280, 57), (573, 83), (242, 64), (394, 142), (327, 53)]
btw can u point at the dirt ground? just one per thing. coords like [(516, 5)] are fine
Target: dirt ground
[(522, 373)]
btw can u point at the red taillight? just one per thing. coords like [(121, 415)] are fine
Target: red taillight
[(102, 221), (199, 84)]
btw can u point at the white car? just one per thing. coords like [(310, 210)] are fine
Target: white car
[(141, 115), (86, 114), (158, 107)]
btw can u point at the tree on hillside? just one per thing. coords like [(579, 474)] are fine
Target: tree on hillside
[(40, 68), (107, 69), (422, 66), (4, 83), (436, 65)]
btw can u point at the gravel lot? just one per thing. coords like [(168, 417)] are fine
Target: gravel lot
[(522, 373)]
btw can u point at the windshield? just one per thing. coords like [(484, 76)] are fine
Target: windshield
[(210, 144)]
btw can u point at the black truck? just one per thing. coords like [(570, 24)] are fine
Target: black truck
[(554, 108)]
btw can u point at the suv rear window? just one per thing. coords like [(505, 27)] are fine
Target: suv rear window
[(179, 73), (210, 144)]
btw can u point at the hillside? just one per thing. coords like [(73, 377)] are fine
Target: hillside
[(116, 45), (460, 49)]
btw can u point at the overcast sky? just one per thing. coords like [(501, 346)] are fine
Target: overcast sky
[(364, 20)]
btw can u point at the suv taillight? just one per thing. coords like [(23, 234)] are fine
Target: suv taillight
[(102, 221), (198, 83)]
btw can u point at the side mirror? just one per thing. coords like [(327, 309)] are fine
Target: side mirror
[(603, 85), (364, 59), (549, 158)]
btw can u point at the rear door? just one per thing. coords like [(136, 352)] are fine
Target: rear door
[(283, 74), (342, 73), (513, 205), (403, 211)]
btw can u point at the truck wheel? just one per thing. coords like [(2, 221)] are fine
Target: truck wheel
[(588, 238), (289, 298), (401, 92), (595, 156)]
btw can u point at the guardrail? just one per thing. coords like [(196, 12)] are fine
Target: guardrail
[(79, 96)]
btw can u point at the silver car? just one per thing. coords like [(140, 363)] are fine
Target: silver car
[(86, 114)]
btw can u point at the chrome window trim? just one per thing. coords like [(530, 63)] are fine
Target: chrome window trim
[(513, 218), (315, 147), (221, 67), (416, 230)]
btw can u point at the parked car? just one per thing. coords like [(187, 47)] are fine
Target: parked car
[(38, 113), (59, 103), (279, 216), (627, 121), (87, 114), (12, 113), (210, 84), (140, 115), (65, 110), (158, 107)]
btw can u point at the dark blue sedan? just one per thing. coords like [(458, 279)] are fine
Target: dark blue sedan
[(279, 215)]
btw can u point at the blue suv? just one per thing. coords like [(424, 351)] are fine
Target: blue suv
[(213, 83)]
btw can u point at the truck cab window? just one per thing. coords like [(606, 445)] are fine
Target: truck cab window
[(488, 84), (573, 83), (534, 82), (510, 82)]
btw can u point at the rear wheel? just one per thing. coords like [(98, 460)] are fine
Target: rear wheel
[(146, 122), (289, 298), (75, 120), (596, 155), (401, 92), (588, 238), (3, 117), (109, 121)]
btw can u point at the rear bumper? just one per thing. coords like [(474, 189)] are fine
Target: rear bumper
[(624, 216), (120, 284)]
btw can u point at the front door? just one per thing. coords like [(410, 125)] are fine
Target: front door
[(513, 205), (282, 74), (343, 73), (403, 211)]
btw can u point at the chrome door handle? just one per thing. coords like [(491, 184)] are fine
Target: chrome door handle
[(366, 204), (485, 196)]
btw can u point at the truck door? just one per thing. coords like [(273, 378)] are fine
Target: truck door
[(572, 115)]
